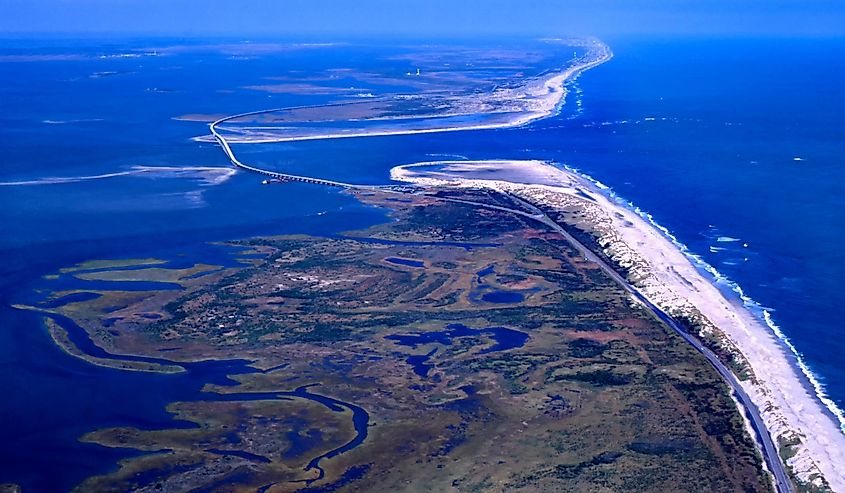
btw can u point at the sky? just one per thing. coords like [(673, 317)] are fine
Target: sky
[(423, 18)]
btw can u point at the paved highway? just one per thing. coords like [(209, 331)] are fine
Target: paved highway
[(272, 174), (770, 451)]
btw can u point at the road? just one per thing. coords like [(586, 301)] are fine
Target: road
[(768, 448), (272, 174)]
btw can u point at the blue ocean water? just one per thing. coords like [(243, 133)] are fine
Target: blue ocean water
[(734, 146)]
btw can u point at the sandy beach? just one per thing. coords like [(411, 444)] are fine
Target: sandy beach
[(536, 99), (665, 275)]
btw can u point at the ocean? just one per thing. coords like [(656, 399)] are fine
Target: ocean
[(734, 146)]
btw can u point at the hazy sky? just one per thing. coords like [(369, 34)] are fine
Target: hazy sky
[(421, 18)]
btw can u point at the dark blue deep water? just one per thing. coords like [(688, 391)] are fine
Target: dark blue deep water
[(734, 146)]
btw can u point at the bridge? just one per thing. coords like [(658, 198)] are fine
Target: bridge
[(285, 177)]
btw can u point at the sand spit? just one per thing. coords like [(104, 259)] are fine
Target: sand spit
[(535, 99), (663, 273)]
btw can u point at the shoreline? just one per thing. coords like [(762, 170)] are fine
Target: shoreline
[(545, 97), (684, 285), (737, 296)]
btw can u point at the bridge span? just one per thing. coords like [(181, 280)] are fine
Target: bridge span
[(285, 177)]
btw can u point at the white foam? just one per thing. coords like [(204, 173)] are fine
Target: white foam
[(80, 120), (446, 155), (210, 175)]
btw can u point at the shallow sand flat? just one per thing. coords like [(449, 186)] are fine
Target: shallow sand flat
[(667, 277), (210, 175)]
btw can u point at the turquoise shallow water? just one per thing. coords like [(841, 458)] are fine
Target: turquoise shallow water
[(702, 135)]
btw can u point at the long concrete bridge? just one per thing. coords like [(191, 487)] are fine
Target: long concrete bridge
[(272, 174)]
